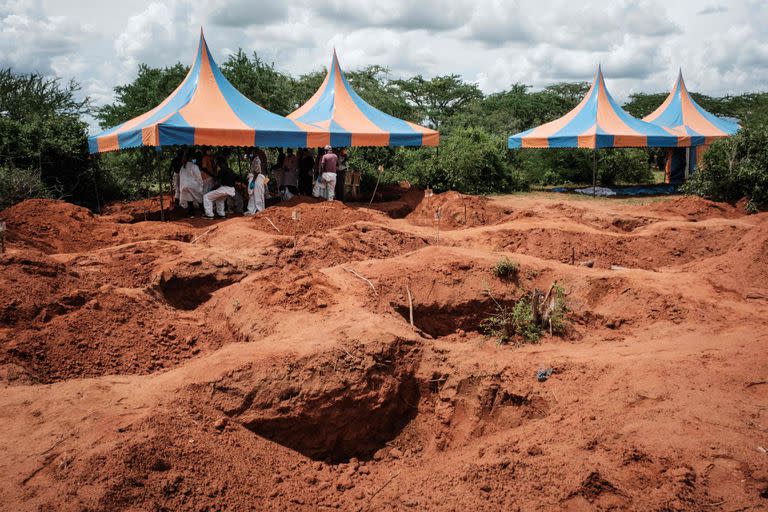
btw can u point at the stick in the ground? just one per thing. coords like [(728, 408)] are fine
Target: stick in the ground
[(198, 237), (363, 278), (382, 487), (410, 304), (273, 224), (378, 178)]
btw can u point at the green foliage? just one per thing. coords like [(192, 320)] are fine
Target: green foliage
[(623, 166), (150, 87), (439, 98), (19, 184), (505, 324), (42, 135), (522, 321), (734, 168), (525, 325), (472, 161), (505, 268), (260, 82)]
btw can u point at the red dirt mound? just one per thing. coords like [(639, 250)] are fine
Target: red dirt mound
[(53, 226), (456, 211), (304, 218), (694, 208)]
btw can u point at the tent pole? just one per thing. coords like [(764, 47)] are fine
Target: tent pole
[(687, 161), (160, 183), (594, 172)]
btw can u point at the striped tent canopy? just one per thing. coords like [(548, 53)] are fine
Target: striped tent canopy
[(205, 109), (680, 112), (337, 108), (598, 122)]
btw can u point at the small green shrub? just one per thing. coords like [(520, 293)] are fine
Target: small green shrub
[(520, 321), (525, 325), (506, 268), (733, 168), (557, 319)]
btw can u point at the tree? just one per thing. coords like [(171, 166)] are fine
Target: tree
[(735, 167), (439, 98), (260, 82), (148, 90), (374, 86), (43, 136)]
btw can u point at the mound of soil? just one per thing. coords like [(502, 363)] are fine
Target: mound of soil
[(455, 211), (305, 218), (694, 208), (54, 227), (236, 367)]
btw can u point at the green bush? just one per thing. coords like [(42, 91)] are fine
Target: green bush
[(17, 185), (734, 168), (623, 166), (505, 268)]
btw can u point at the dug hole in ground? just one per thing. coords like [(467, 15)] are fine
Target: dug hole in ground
[(269, 363)]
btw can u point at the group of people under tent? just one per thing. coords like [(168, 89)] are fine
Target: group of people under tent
[(203, 178)]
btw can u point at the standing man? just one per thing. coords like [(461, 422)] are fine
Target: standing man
[(326, 183), (306, 170), (218, 196), (290, 181)]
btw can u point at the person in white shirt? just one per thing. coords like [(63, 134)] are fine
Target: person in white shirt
[(257, 185), (191, 185)]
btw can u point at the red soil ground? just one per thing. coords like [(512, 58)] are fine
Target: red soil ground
[(240, 365)]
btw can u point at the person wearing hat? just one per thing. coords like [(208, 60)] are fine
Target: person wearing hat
[(326, 183)]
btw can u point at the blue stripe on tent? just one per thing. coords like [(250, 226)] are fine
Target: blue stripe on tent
[(662, 141), (283, 139), (563, 141), (322, 110), (401, 133), (723, 124), (673, 114), (93, 145), (181, 98), (643, 128), (583, 121), (406, 139), (514, 143), (176, 131), (271, 129), (176, 135), (129, 139), (340, 138)]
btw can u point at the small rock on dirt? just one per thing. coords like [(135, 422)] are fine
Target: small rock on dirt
[(395, 453)]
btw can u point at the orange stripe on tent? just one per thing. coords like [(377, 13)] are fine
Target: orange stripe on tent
[(693, 118), (108, 143), (214, 121), (350, 118), (549, 129), (607, 118), (314, 99), (535, 142)]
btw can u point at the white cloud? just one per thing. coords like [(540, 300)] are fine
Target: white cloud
[(494, 43)]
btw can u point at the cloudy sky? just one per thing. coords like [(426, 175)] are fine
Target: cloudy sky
[(722, 45)]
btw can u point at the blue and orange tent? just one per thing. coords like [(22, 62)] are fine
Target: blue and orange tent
[(338, 110), (205, 109), (681, 113), (598, 122)]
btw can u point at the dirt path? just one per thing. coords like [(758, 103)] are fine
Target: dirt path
[(241, 365)]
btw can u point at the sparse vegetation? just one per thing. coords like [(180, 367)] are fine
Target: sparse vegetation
[(506, 268), (528, 318)]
